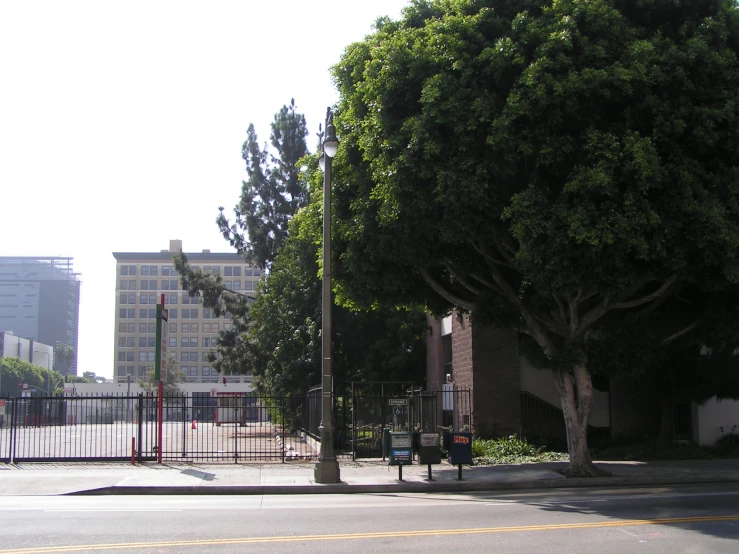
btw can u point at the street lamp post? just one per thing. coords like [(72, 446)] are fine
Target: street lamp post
[(327, 468)]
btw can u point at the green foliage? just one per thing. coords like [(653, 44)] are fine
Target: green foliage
[(511, 450), (273, 192), (14, 371), (64, 357), (284, 333), (172, 383), (562, 168)]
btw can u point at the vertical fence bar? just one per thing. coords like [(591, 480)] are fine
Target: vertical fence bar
[(139, 421)]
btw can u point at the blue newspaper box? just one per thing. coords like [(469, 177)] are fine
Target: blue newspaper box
[(401, 449), (460, 448)]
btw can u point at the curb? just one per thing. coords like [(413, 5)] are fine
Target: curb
[(413, 487)]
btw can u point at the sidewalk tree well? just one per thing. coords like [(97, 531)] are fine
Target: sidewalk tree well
[(542, 165)]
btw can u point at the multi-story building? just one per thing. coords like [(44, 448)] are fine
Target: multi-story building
[(141, 279), (40, 300)]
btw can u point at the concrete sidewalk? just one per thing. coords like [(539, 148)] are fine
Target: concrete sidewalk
[(357, 477)]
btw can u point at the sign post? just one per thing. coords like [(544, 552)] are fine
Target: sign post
[(160, 369)]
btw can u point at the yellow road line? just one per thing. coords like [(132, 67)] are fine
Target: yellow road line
[(376, 535)]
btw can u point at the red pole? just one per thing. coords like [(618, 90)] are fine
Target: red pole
[(159, 419), (133, 450), (160, 410)]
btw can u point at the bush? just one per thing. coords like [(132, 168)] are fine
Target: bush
[(728, 444), (511, 450)]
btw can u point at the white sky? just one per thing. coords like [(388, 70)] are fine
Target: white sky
[(121, 123)]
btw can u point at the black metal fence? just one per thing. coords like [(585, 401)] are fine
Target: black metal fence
[(359, 418), (225, 428)]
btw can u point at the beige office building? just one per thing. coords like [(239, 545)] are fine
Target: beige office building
[(141, 279)]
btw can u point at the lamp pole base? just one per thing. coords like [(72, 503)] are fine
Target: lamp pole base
[(326, 472)]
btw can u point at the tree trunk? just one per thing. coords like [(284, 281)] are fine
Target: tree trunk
[(576, 394)]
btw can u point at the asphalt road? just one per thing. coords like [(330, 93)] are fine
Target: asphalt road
[(664, 520)]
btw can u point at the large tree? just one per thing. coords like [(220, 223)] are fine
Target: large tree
[(548, 166), (285, 325), (273, 191)]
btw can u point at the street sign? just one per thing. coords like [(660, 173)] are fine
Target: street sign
[(2, 407), (160, 356), (397, 402)]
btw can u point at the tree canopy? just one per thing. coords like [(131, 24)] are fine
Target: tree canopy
[(272, 193), (550, 166), (16, 373)]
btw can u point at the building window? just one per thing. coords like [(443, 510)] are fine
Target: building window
[(165, 271), (249, 286), (193, 327), (206, 313), (193, 314), (144, 270), (184, 342), (257, 272), (206, 369), (132, 284), (173, 342), (206, 342), (216, 270), (185, 328), (122, 313), (129, 356), (121, 356), (152, 313), (143, 299), (237, 272), (229, 284), (131, 313), (237, 285), (142, 371), (226, 326), (152, 284), (185, 314), (121, 342), (173, 313), (165, 284), (247, 272), (121, 327), (171, 299), (144, 285), (206, 327), (124, 284), (228, 271), (214, 327), (130, 342), (153, 270), (205, 357), (446, 345), (131, 327), (172, 327)]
